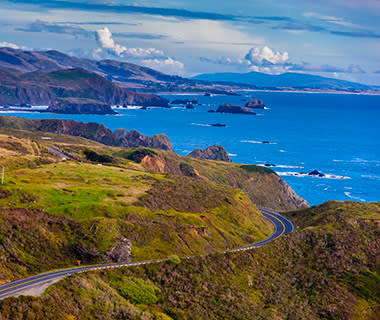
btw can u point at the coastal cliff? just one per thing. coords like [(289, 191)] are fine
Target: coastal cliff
[(79, 106), (40, 88)]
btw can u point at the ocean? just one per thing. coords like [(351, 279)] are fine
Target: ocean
[(336, 134)]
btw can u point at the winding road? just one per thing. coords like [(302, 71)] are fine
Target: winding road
[(37, 284)]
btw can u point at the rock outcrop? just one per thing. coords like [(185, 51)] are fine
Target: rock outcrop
[(255, 104), (230, 108), (80, 106), (211, 153), (134, 139), (292, 197), (120, 252)]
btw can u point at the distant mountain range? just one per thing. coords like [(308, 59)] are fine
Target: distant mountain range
[(297, 81), (126, 75), (39, 78)]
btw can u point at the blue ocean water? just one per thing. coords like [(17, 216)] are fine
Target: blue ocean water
[(337, 134)]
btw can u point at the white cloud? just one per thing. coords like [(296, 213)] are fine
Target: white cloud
[(11, 45), (104, 37), (330, 19), (168, 65), (266, 56), (205, 35), (149, 57)]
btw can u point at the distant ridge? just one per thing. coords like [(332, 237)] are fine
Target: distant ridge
[(142, 79), (285, 80)]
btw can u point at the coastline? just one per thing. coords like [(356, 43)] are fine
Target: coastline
[(192, 93)]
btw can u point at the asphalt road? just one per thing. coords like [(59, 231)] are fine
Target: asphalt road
[(281, 224)]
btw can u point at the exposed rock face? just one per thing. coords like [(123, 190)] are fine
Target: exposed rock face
[(156, 163), (92, 131), (292, 197), (120, 252), (134, 139), (230, 108), (211, 153), (80, 106), (84, 252), (255, 104)]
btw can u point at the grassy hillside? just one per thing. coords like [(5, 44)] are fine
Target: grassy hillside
[(328, 269), (56, 213)]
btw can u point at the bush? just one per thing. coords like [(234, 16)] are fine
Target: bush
[(140, 154), (95, 157), (174, 259), (187, 170), (139, 291)]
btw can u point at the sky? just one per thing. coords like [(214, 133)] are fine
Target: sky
[(333, 38)]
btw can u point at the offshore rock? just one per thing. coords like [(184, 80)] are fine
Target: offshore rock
[(230, 108), (255, 104)]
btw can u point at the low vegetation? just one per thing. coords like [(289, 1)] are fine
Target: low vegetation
[(328, 269), (56, 213)]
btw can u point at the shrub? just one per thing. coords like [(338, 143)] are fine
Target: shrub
[(140, 154), (139, 291), (95, 157), (174, 259)]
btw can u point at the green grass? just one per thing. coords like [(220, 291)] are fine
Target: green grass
[(93, 205)]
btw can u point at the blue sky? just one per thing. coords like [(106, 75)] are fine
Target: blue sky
[(334, 38)]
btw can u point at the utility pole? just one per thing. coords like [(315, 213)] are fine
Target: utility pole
[(2, 175)]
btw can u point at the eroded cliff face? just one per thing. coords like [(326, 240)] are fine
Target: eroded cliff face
[(293, 198)]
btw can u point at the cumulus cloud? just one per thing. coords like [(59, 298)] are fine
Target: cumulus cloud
[(149, 57), (267, 60), (105, 40), (266, 56)]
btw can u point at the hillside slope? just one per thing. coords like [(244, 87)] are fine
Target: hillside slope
[(264, 186), (328, 269), (56, 213), (124, 74), (42, 88)]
